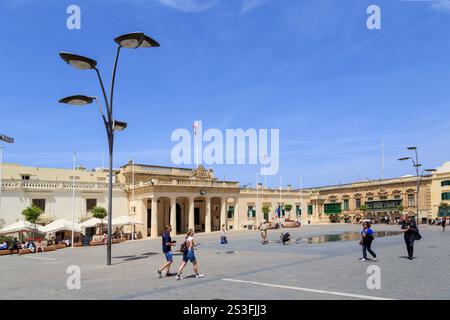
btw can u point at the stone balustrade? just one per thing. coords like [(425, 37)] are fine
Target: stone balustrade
[(52, 185)]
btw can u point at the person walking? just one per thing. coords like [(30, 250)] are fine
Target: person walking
[(187, 248), (263, 229), (444, 221), (366, 242), (167, 244), (15, 246), (409, 229), (223, 237)]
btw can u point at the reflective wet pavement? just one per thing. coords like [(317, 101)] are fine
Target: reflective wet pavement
[(346, 236)]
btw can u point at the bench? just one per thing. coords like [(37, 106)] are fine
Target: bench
[(61, 246), (4, 252), (25, 251), (290, 225), (96, 243)]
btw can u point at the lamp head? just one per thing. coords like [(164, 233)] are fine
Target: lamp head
[(119, 126), (135, 40), (77, 100), (78, 61)]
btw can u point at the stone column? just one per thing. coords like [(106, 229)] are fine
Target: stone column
[(154, 225), (223, 213), (173, 215), (207, 215), (236, 213), (191, 224), (139, 214)]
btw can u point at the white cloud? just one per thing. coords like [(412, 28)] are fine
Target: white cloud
[(195, 6), (441, 5), (248, 5)]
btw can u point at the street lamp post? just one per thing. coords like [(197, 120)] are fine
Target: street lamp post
[(130, 41), (7, 140), (419, 176)]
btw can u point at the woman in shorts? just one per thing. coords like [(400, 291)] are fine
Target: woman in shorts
[(188, 255)]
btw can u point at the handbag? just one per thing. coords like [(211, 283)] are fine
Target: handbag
[(417, 236), (183, 247)]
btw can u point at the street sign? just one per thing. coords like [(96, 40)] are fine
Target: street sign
[(6, 138)]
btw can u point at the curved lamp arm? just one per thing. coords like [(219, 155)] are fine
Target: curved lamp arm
[(113, 79)]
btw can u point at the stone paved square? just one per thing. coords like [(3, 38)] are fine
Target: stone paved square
[(244, 269)]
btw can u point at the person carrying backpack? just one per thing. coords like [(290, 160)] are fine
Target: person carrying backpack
[(187, 248), (366, 241)]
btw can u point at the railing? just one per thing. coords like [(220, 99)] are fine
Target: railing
[(43, 184), (271, 191), (157, 169)]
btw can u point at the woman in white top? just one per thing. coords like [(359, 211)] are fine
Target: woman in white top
[(223, 237), (188, 255)]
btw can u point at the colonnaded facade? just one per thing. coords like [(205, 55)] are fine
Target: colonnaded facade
[(194, 198)]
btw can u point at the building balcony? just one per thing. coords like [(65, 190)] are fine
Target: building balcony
[(186, 183), (381, 205)]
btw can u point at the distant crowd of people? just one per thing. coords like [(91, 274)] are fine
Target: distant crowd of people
[(16, 246)]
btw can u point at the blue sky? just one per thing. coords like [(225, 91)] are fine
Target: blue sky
[(308, 67)]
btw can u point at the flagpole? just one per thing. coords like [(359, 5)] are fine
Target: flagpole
[(265, 176), (73, 197), (257, 197), (132, 198), (280, 200), (382, 159), (301, 198), (196, 142)]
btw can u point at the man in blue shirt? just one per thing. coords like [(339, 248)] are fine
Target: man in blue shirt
[(167, 244)]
